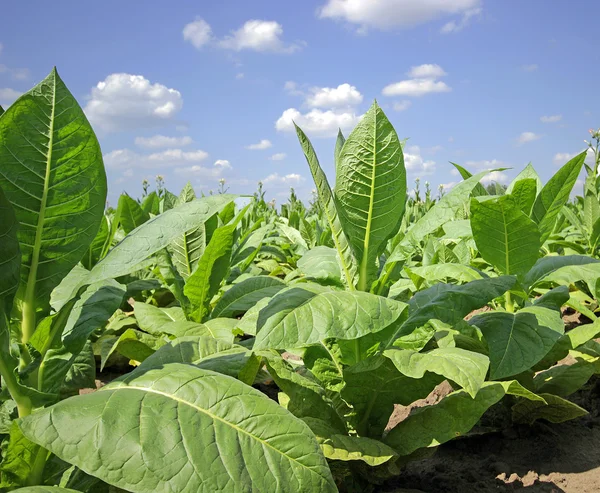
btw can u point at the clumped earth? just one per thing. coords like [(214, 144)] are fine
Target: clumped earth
[(545, 457)]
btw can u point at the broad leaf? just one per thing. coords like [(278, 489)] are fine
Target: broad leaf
[(479, 190), (504, 235), (45, 489), (240, 297), (555, 194), (298, 317), (555, 410), (155, 235), (153, 319), (550, 264), (10, 255), (528, 172), (131, 215), (524, 193), (517, 341), (370, 189), (466, 368), (326, 198), (52, 173), (143, 434), (321, 263)]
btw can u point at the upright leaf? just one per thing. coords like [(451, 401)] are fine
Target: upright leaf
[(528, 172), (371, 190), (240, 297), (479, 190), (326, 198), (10, 255), (212, 268), (555, 194), (52, 173), (339, 143), (1, 110), (524, 193), (131, 214), (504, 235), (181, 428)]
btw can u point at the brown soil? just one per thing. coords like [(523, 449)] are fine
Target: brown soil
[(542, 458)]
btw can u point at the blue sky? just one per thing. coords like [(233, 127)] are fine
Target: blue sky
[(190, 89)]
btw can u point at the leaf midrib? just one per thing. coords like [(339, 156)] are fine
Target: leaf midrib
[(212, 416)]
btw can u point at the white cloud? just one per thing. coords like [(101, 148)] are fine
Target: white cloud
[(276, 180), (486, 164), (448, 186), (15, 73), (495, 176), (423, 81), (263, 144), (291, 87), (223, 164), (457, 26), (316, 122), (390, 14), (561, 158), (198, 33), (402, 105), (334, 97), (239, 75), (415, 164), (528, 137), (530, 68), (8, 96), (170, 158), (259, 35), (551, 118), (125, 101), (158, 141), (280, 156), (426, 71)]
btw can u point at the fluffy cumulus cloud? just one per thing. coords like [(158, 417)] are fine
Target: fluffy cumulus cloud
[(399, 14), (423, 80), (526, 137), (316, 122), (169, 158), (260, 146), (198, 33), (332, 108), (334, 97), (125, 101), (8, 96), (561, 158), (495, 177), (551, 119), (280, 156), (455, 26), (415, 164), (402, 105), (161, 141), (287, 180), (222, 164), (255, 35)]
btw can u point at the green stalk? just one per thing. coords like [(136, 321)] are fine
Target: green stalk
[(510, 307), (23, 402), (36, 475)]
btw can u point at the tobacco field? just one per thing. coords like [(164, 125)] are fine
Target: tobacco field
[(249, 349)]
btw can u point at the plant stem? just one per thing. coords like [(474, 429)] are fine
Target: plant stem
[(510, 307), (23, 402), (36, 475)]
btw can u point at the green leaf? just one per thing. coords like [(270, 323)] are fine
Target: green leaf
[(156, 234), (44, 489), (505, 236), (18, 458), (550, 264), (370, 190), (565, 379), (374, 386), (321, 263), (466, 368), (528, 172), (439, 272), (1, 110), (555, 195), (571, 340), (212, 268), (151, 204), (182, 428), (240, 297), (351, 447), (202, 351), (479, 190), (555, 409), (131, 215), (153, 319), (452, 417), (134, 345), (327, 201), (339, 144), (517, 341), (554, 299), (98, 246), (82, 374), (298, 317), (10, 255), (52, 173), (524, 193)]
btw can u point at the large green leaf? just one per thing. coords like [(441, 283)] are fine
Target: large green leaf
[(181, 428), (524, 193), (554, 410), (212, 268), (504, 235), (528, 172), (370, 190), (155, 235), (479, 190), (45, 489), (555, 194), (321, 263), (298, 317), (52, 173), (550, 264), (452, 417), (240, 297), (1, 110), (517, 341), (10, 255), (131, 215), (326, 198), (466, 368), (153, 319)]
